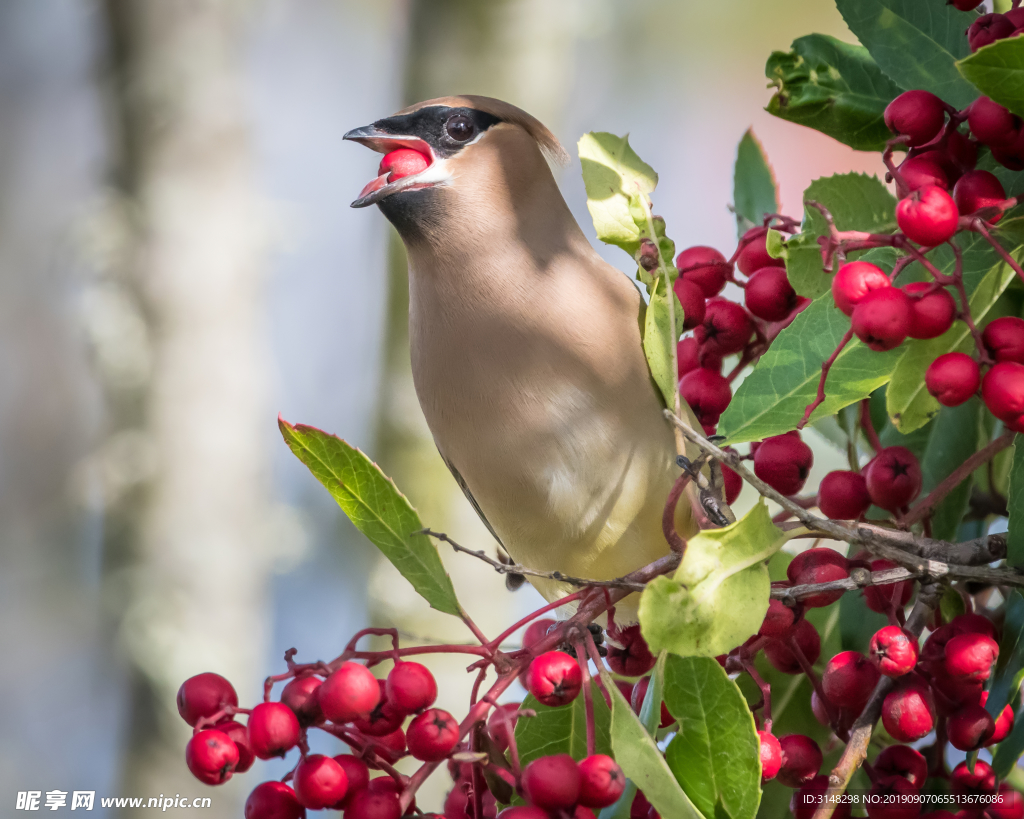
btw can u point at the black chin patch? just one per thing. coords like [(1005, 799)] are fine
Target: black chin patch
[(429, 125), (415, 213)]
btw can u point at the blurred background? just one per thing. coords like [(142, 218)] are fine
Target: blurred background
[(178, 264)]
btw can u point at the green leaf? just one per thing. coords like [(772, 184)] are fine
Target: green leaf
[(376, 508), (1015, 505), (563, 730), (915, 43), (856, 202), (951, 605), (1010, 668), (772, 399), (997, 71), (1010, 749), (641, 760), (754, 188), (615, 179), (715, 755), (953, 439), (833, 87), (719, 594), (660, 341)]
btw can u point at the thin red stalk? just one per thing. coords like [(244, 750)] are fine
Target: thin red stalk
[(477, 633), (868, 427), (588, 694), (805, 665), (979, 226), (766, 690), (595, 656), (965, 311), (668, 515), (825, 367), (480, 677), (497, 641)]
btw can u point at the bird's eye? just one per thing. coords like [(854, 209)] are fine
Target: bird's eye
[(459, 127)]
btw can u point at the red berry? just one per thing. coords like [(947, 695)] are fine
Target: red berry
[(552, 782), (1011, 156), (691, 298), (801, 760), (554, 678), (402, 162), (687, 356), (211, 756), (536, 631), (1008, 805), (238, 734), (965, 5), (1002, 390), (390, 747), (951, 694), (640, 807), (976, 190), (782, 659), (387, 784), (882, 318), (203, 696), (853, 281), (818, 709), (769, 295), (970, 727), (410, 688), (843, 495), (918, 171), (320, 782), (778, 621), (754, 254), (987, 29), (496, 727), (733, 484), (893, 651), (932, 310), (902, 760), (918, 115), (705, 267), (928, 216), (526, 812), (818, 566), (974, 624), (771, 755), (707, 393), (636, 701), (849, 679), (981, 782), (1003, 723), (1004, 339), (432, 735), (893, 797), (300, 695), (893, 478), (953, 378), (992, 124), (634, 658), (348, 693), (601, 781), (971, 656), (383, 719), (357, 774), (908, 712), (273, 800), (805, 802), (367, 804), (273, 729), (880, 598), (784, 462), (726, 327)]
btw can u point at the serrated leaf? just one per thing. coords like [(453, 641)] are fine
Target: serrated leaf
[(715, 755), (997, 71), (376, 508), (563, 730), (953, 439), (718, 596), (772, 399), (1015, 505), (915, 43), (856, 202), (754, 188), (833, 87), (1010, 666), (615, 177)]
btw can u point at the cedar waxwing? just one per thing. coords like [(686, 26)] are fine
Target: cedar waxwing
[(526, 346)]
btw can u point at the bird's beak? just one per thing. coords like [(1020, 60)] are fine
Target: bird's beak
[(383, 142)]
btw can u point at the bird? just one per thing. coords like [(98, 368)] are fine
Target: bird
[(526, 346)]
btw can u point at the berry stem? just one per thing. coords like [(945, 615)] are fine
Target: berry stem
[(668, 516), (869, 428), (497, 641), (826, 365), (979, 226), (588, 694), (766, 691)]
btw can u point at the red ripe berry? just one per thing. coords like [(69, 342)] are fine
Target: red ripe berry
[(687, 356), (782, 659), (853, 281), (273, 730), (357, 774), (601, 781), (893, 478), (771, 755), (848, 680), (769, 295), (976, 190), (383, 719), (953, 378), (554, 678), (238, 734), (754, 254), (801, 760), (778, 621), (971, 656), (928, 216), (880, 598), (965, 5), (974, 624), (387, 784), (496, 723), (634, 658), (733, 484), (818, 709), (918, 171), (320, 782), (902, 760), (893, 797), (691, 298), (970, 727), (843, 495), (933, 310), (804, 803), (784, 462), (918, 115), (528, 812), (964, 783), (432, 735), (893, 651), (636, 701), (1004, 339), (348, 693), (367, 804), (203, 696), (211, 756), (908, 712), (536, 631), (1008, 805), (1011, 156), (300, 695), (1003, 723), (390, 747), (273, 800), (552, 782), (992, 124), (707, 393), (705, 267), (987, 29), (818, 566), (1002, 390), (410, 688), (882, 318), (402, 162), (726, 328)]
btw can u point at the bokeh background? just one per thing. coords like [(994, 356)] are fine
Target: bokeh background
[(178, 264)]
